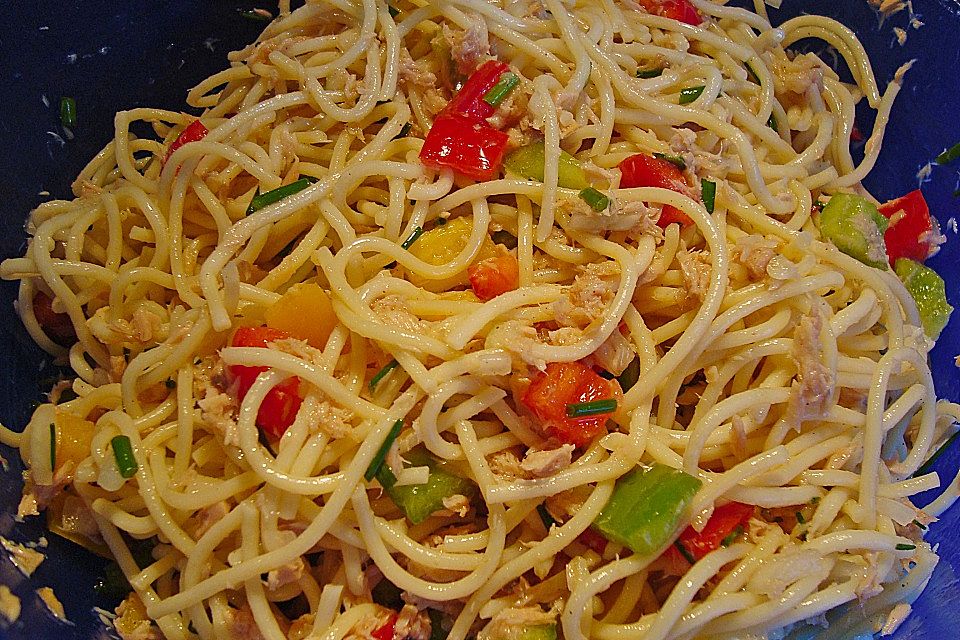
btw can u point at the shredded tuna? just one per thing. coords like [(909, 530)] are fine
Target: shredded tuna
[(334, 421), (755, 252), (284, 575), (470, 47), (49, 598), (132, 622), (364, 628), (411, 625), (241, 625), (37, 497), (812, 395), (217, 410), (416, 73), (25, 559), (695, 267), (506, 464), (392, 310), (457, 504), (10, 604), (511, 621), (588, 298), (541, 464), (209, 516)]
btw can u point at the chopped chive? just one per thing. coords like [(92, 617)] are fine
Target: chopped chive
[(708, 191), (630, 375), (753, 74), (815, 500), (381, 454), (730, 539), (394, 12), (949, 155), (123, 454), (545, 517), (594, 408), (597, 201), (170, 383), (53, 447), (928, 465), (684, 552), (650, 73), (502, 89), (375, 380), (257, 15), (417, 232), (68, 112), (690, 94), (676, 161), (920, 524), (800, 518), (906, 547), (772, 123), (404, 131), (261, 200)]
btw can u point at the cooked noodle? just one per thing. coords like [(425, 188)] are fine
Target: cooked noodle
[(156, 262)]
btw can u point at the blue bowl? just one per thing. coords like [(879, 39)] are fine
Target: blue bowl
[(111, 56)]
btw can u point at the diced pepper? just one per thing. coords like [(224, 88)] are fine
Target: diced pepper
[(912, 232), (929, 292), (641, 170), (419, 501), (280, 405), (305, 313), (524, 632), (854, 225), (469, 100), (442, 244), (493, 276), (57, 326), (193, 132), (73, 438), (726, 520), (528, 162), (680, 10), (385, 631), (565, 383), (646, 507), (464, 145)]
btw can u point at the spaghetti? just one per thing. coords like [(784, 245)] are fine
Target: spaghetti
[(360, 355)]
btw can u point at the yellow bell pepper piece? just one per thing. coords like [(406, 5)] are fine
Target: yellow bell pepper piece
[(441, 245), (304, 312), (74, 435)]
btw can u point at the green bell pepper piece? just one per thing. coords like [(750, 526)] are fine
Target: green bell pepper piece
[(854, 225), (419, 501), (928, 291), (528, 162), (646, 507)]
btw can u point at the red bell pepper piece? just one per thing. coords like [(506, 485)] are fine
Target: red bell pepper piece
[(641, 170), (466, 146), (280, 405), (912, 233), (680, 10), (469, 100), (385, 632), (493, 276), (193, 132), (724, 521), (565, 383)]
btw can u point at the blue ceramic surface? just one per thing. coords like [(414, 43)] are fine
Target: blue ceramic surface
[(110, 55)]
